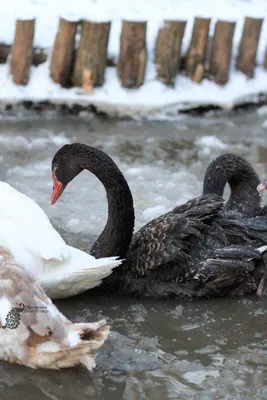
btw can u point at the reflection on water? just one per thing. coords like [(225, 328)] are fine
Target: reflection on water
[(158, 350)]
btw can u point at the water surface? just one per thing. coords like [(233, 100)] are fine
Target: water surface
[(157, 350)]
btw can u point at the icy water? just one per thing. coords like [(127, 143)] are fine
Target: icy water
[(157, 350)]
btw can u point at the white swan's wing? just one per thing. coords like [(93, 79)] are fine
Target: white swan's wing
[(78, 273), (26, 230)]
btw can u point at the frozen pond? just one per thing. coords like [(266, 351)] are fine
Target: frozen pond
[(158, 350)]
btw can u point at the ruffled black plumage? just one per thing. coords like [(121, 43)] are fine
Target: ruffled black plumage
[(199, 249)]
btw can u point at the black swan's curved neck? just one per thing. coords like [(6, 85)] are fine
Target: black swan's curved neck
[(117, 234), (242, 179)]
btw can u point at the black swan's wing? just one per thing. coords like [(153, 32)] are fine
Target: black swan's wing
[(227, 263), (233, 270), (245, 230), (180, 240), (177, 237), (197, 250)]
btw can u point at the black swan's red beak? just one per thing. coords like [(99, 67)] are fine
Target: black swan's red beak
[(58, 188), (262, 186)]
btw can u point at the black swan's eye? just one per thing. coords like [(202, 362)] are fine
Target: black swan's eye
[(55, 167)]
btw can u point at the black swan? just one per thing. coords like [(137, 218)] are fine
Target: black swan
[(242, 179), (193, 251)]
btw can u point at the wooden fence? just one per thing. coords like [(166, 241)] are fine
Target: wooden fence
[(84, 64)]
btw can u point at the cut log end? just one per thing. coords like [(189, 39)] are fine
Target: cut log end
[(22, 51), (168, 50), (133, 54), (265, 60), (196, 55), (87, 80), (221, 50), (247, 52), (4, 52), (198, 75), (62, 60), (39, 55), (92, 53)]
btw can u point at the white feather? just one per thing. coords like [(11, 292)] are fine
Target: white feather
[(262, 249), (27, 233)]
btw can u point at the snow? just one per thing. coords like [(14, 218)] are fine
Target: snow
[(153, 99), (207, 143), (153, 212), (198, 377), (35, 143), (262, 110)]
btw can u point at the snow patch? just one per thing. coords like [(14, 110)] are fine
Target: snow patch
[(207, 144), (198, 377), (153, 212), (153, 100)]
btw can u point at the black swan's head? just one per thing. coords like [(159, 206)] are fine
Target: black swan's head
[(65, 167), (232, 169), (242, 179), (73, 158)]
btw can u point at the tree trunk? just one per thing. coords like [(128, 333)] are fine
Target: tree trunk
[(133, 54), (87, 83), (221, 51), (21, 52), (92, 53), (62, 60), (248, 46), (168, 50), (39, 56), (4, 52), (265, 60), (195, 60)]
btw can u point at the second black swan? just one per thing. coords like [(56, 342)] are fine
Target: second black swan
[(243, 180), (196, 250)]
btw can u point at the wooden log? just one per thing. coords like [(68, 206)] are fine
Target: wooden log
[(87, 83), (92, 53), (21, 52), (168, 50), (248, 46), (39, 56), (221, 50), (4, 52), (133, 54), (195, 60), (265, 60), (61, 66)]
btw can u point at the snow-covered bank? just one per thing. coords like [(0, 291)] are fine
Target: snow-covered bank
[(153, 99)]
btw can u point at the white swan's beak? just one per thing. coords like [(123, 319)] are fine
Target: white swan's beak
[(261, 187)]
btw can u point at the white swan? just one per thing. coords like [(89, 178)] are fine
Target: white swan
[(27, 233), (32, 330)]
